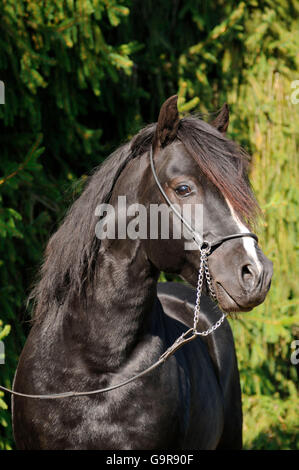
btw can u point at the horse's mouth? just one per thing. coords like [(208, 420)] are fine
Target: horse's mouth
[(227, 302)]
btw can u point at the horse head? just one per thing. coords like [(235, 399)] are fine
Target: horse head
[(197, 165)]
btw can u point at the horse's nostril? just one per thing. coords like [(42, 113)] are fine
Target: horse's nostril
[(246, 270), (247, 275)]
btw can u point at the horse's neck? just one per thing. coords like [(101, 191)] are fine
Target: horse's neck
[(121, 313)]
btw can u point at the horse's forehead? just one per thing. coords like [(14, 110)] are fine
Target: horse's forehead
[(177, 159)]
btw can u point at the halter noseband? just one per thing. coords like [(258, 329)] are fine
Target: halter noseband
[(208, 246)]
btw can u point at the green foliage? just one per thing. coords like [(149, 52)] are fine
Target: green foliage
[(81, 77), (270, 423)]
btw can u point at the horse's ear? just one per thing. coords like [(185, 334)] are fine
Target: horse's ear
[(168, 123), (222, 120)]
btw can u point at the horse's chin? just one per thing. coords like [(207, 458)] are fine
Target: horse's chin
[(227, 302)]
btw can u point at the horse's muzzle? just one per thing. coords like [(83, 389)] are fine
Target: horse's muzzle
[(245, 287)]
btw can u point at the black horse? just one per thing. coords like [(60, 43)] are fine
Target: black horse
[(101, 317)]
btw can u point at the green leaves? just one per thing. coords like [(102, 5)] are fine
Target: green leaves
[(270, 423), (116, 12), (4, 331), (8, 218)]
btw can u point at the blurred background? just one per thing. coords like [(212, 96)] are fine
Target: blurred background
[(81, 77)]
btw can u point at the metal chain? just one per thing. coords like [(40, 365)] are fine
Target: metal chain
[(204, 271), (199, 288), (190, 334)]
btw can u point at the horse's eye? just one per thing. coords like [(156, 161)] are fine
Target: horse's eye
[(183, 190)]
